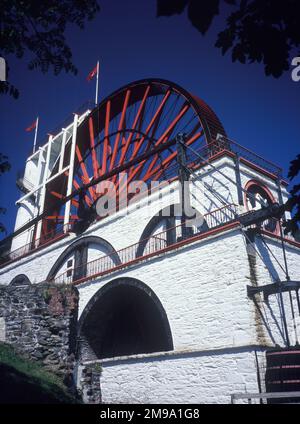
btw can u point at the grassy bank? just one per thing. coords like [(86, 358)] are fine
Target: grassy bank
[(24, 381)]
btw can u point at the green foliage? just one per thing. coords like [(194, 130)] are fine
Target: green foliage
[(38, 28), (257, 31), (97, 367), (292, 225), (294, 168), (47, 295), (4, 167), (43, 385), (7, 88), (171, 7)]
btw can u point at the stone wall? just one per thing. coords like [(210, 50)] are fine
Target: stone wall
[(40, 322), (89, 383)]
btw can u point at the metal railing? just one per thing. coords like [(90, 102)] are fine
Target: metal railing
[(152, 245), (223, 145), (255, 159), (44, 240), (265, 396)]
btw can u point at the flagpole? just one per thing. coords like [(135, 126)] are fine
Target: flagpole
[(97, 84), (35, 134)]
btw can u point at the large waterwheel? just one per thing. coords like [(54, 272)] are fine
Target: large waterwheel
[(132, 121)]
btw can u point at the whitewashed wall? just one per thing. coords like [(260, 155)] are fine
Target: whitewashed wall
[(202, 287), (192, 377), (216, 328)]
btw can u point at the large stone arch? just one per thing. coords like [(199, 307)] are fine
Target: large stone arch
[(79, 248), (124, 317)]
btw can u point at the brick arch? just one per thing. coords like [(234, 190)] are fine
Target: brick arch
[(79, 247), (124, 317), (20, 280)]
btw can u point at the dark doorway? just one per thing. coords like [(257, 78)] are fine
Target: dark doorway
[(124, 318)]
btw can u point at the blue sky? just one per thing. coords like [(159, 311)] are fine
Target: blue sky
[(259, 112)]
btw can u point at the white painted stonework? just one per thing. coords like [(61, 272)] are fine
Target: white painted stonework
[(202, 287), (190, 377), (2, 330)]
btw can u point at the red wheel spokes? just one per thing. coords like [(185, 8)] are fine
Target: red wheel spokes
[(85, 178), (159, 141), (106, 139), (96, 165), (139, 144), (86, 198), (140, 117), (136, 120), (137, 148), (115, 151), (60, 197)]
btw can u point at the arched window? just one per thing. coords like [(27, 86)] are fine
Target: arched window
[(259, 196), (164, 229), (73, 262)]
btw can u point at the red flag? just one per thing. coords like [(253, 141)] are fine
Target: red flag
[(92, 74), (32, 126)]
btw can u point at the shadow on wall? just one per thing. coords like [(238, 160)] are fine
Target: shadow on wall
[(268, 262)]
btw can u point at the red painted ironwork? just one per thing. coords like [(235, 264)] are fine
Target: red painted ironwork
[(95, 162), (85, 176), (137, 118), (106, 139), (121, 124)]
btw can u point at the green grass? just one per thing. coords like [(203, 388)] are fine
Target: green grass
[(25, 381)]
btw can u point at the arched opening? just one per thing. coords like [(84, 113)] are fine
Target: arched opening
[(20, 280), (164, 229), (124, 317), (257, 196), (73, 261)]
